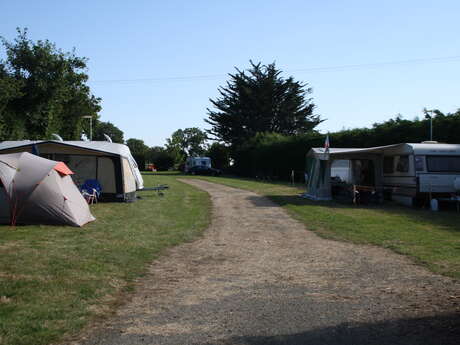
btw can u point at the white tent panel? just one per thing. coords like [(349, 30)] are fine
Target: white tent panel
[(128, 178)]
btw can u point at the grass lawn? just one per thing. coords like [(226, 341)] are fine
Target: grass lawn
[(54, 279), (430, 238)]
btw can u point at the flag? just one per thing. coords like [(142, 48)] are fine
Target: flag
[(326, 144)]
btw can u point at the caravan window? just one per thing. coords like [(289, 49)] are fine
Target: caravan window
[(403, 164), (443, 163), (341, 170), (419, 163), (388, 165)]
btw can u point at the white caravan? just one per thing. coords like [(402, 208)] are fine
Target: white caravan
[(416, 172), (197, 161), (407, 173)]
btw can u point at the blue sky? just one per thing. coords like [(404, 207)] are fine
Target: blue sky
[(136, 50)]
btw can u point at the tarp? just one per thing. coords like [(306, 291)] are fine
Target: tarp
[(38, 190)]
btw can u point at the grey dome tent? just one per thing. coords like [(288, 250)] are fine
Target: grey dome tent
[(35, 190)]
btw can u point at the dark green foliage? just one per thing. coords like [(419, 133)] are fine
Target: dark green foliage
[(260, 100), (110, 129), (220, 156), (139, 151), (43, 91), (398, 130), (161, 157), (10, 89), (272, 155)]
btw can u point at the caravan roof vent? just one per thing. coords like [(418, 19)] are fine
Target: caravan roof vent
[(430, 142)]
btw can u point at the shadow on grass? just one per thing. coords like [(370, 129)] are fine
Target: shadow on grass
[(433, 330), (449, 220)]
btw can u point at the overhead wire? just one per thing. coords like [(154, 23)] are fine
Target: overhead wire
[(444, 59)]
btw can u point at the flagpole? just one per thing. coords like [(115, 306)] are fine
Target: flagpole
[(326, 147)]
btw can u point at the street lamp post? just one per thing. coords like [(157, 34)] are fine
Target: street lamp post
[(90, 126), (431, 124)]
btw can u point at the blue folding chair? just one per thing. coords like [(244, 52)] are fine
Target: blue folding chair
[(91, 190)]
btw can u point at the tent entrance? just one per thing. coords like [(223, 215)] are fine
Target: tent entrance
[(90, 167), (363, 172), (353, 177)]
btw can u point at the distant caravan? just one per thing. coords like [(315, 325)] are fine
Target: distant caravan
[(200, 166), (197, 161)]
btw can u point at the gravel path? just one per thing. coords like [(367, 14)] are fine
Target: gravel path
[(259, 277)]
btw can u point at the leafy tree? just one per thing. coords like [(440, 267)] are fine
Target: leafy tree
[(10, 88), (137, 146), (185, 143), (138, 150), (220, 156), (52, 92), (190, 141), (110, 129), (162, 159), (260, 100)]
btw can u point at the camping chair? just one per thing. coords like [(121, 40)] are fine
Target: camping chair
[(91, 190)]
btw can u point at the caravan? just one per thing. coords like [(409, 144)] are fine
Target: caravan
[(413, 173), (200, 166), (192, 162), (409, 173)]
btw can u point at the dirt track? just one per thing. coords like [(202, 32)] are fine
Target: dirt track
[(258, 277)]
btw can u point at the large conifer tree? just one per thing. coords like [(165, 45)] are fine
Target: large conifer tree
[(260, 100)]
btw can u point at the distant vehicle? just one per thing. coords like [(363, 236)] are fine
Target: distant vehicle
[(204, 170), (197, 161)]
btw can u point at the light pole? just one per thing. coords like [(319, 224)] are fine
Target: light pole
[(90, 126), (431, 124)]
